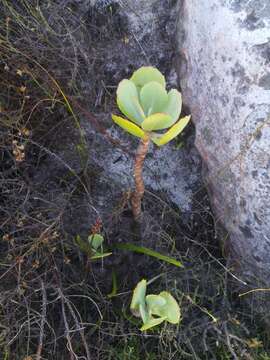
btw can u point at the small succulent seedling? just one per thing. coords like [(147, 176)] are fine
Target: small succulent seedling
[(150, 110), (154, 309), (93, 247)]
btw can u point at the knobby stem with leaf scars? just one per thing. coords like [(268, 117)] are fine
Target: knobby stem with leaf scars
[(136, 199)]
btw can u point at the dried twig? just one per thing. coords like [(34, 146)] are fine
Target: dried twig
[(43, 319), (63, 301), (80, 329), (228, 342)]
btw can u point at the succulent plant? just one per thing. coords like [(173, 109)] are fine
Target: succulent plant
[(154, 309), (143, 99), (150, 110), (93, 247)]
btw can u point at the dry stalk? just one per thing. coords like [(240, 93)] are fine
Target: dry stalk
[(43, 319), (80, 329), (69, 343)]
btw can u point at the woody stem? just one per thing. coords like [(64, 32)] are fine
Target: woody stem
[(136, 199)]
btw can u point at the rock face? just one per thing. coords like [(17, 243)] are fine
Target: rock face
[(225, 80)]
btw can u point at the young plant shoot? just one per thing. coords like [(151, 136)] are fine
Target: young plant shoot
[(152, 115), (154, 309), (93, 247)]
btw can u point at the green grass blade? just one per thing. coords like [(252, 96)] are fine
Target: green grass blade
[(100, 255), (149, 252), (114, 285)]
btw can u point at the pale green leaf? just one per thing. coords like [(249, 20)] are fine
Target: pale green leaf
[(152, 322), (128, 101), (154, 304), (96, 241), (153, 98), (147, 74), (158, 121), (171, 310), (128, 126), (174, 105), (138, 297), (143, 313), (171, 133)]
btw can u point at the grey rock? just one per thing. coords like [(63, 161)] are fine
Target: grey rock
[(225, 79), (173, 171)]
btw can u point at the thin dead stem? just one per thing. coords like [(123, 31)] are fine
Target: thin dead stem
[(43, 319), (69, 343), (80, 329)]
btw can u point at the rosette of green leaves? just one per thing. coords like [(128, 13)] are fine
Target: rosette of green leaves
[(149, 108), (154, 309)]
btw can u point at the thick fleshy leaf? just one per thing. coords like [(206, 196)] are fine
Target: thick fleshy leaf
[(128, 126), (128, 101), (138, 298), (152, 322), (171, 310), (147, 74), (174, 105), (153, 98), (154, 304), (143, 312), (175, 130), (96, 241), (157, 121)]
